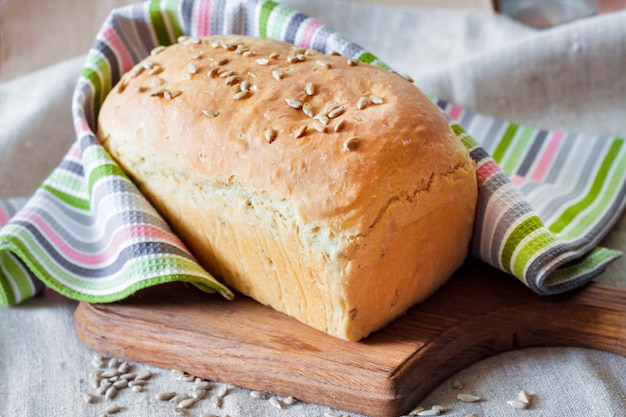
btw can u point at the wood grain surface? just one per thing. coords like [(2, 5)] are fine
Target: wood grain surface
[(479, 313)]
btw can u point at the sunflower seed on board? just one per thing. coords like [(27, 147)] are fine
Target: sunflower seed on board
[(472, 415), (124, 367), (468, 398), (351, 144), (222, 390), (517, 404), (180, 411), (97, 363), (290, 400), (335, 112), (137, 388), (441, 408), (137, 382), (324, 64), (416, 410), (241, 95), (208, 415), (319, 127), (262, 61)]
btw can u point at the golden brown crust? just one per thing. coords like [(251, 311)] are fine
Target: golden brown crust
[(312, 223)]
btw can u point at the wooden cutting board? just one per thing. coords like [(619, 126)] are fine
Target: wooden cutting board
[(479, 313)]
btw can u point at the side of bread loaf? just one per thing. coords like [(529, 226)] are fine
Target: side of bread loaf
[(332, 191)]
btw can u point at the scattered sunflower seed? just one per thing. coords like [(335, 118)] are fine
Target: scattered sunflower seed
[(180, 411), (227, 74), (155, 70), (339, 126), (157, 50), (524, 397), (214, 72), (274, 55), (472, 415), (517, 404), (137, 69), (309, 88), (292, 59), (236, 88), (323, 118), (222, 61), (300, 57), (298, 134), (178, 398), (109, 373), (192, 68), (202, 385), (335, 112), (431, 412), (211, 113), (176, 373), (416, 410), (137, 382), (196, 55), (276, 403), (97, 363), (270, 136), (147, 374), (290, 400), (147, 64), (335, 53), (88, 398), (216, 401), (468, 398), (182, 38), (122, 383), (324, 64), (112, 409), (187, 403), (241, 95), (124, 367), (351, 144), (407, 77), (278, 75), (257, 395), (441, 408), (245, 85), (457, 384), (199, 394), (292, 102), (166, 396), (362, 103), (262, 61), (122, 85), (222, 390), (231, 80), (128, 376), (138, 388), (376, 99), (110, 393), (307, 109), (319, 127)]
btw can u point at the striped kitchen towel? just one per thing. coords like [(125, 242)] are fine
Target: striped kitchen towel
[(546, 197)]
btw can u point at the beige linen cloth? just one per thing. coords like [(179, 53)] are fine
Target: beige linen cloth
[(570, 77)]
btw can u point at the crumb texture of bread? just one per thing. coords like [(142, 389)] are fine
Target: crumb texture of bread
[(333, 192)]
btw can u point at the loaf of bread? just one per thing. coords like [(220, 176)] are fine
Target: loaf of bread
[(332, 191)]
